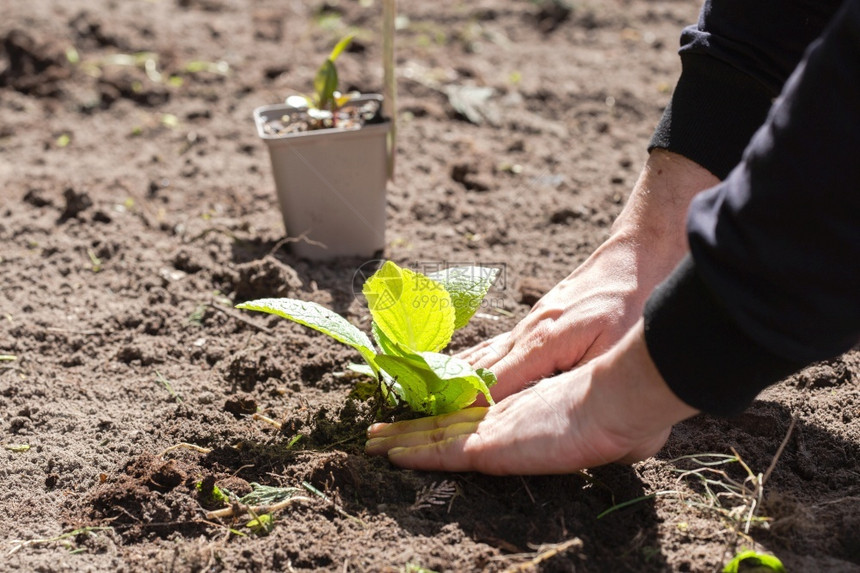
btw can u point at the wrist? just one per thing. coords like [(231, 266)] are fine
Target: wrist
[(631, 394), (656, 212)]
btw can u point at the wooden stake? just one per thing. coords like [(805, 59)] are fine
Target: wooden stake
[(389, 93)]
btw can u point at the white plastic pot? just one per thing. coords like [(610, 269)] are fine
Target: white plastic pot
[(331, 186)]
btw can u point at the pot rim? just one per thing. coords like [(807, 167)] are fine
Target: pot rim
[(263, 114)]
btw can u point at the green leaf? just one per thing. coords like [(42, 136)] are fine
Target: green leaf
[(435, 383), (319, 318), (467, 286), (340, 47), (386, 344), (325, 83), (326, 80), (753, 561), (362, 369), (489, 380), (410, 309), (262, 524)]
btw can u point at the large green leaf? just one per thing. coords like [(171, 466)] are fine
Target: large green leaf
[(386, 344), (435, 383), (411, 310), (467, 286), (319, 318)]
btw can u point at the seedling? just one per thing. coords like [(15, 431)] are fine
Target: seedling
[(414, 317), (262, 524), (18, 544), (753, 561), (323, 105), (211, 493)]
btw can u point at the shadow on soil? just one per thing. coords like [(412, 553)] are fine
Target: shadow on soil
[(813, 495)]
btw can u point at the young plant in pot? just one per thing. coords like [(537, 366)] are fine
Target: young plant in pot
[(329, 156)]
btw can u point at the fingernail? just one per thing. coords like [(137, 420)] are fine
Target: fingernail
[(396, 451), (371, 446), (375, 428)]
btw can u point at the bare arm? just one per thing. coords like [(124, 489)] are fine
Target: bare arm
[(590, 310)]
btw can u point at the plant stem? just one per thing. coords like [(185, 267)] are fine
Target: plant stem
[(262, 418), (168, 386), (186, 446)]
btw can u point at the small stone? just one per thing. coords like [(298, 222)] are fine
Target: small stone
[(241, 406)]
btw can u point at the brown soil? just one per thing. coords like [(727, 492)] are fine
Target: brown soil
[(135, 210)]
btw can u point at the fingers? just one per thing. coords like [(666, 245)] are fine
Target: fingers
[(427, 442), (426, 424), (488, 352), (451, 455), (439, 436)]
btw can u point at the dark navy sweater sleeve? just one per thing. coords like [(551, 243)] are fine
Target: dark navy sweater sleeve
[(735, 62), (773, 282)]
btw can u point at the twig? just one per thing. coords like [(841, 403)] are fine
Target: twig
[(748, 494), (528, 491), (168, 386), (18, 543), (337, 508), (624, 504), (546, 553), (779, 450), (266, 419), (239, 317), (246, 466), (72, 331), (186, 446), (207, 231), (239, 509), (303, 237), (841, 500), (344, 441)]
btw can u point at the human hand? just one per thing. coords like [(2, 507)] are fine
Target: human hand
[(579, 319), (590, 310), (616, 408)]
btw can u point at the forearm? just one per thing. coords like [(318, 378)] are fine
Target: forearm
[(654, 217), (629, 393), (774, 282)]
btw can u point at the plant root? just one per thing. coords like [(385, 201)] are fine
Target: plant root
[(186, 446), (238, 509), (545, 552), (268, 420)]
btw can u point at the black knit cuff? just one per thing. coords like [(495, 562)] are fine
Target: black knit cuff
[(701, 352), (714, 112)]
